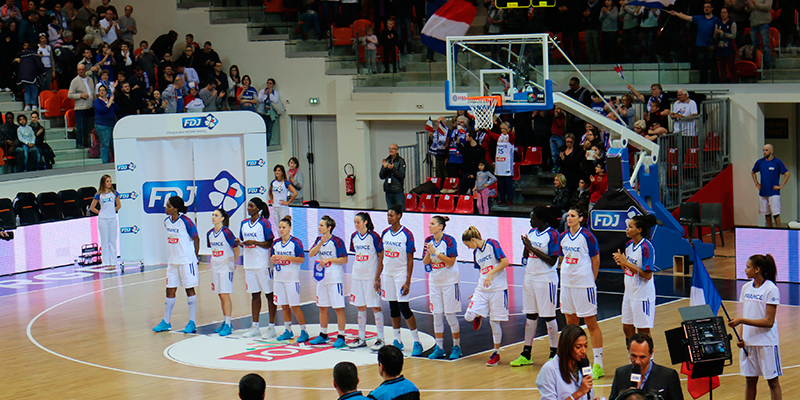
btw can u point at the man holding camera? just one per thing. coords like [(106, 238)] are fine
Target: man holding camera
[(652, 378)]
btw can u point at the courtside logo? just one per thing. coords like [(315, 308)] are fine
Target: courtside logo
[(258, 190), (126, 167), (615, 221), (256, 163), (209, 121), (128, 196), (224, 191), (129, 229)]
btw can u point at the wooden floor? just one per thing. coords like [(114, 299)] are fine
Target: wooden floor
[(92, 340)]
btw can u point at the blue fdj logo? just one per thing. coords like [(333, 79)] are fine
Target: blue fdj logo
[(224, 192), (126, 167), (209, 121), (129, 229), (616, 220), (258, 190), (128, 196), (255, 163)]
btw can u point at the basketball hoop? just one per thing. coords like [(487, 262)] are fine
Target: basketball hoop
[(482, 108)]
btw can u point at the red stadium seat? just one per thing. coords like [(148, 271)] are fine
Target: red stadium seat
[(533, 156), (493, 189), (53, 107), (62, 94), (45, 95), (436, 181), (67, 104), (672, 156), (465, 205), (450, 184), (271, 6), (712, 142), (427, 203), (517, 172), (447, 203), (343, 37), (411, 202), (690, 158), (360, 27)]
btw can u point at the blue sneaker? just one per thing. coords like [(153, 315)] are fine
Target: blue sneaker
[(339, 343), (287, 335), (219, 328), (162, 326), (190, 327), (417, 349), (398, 344), (437, 353), (318, 340), (226, 330), (456, 353), (303, 337)]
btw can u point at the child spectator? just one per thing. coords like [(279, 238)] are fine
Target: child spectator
[(27, 155), (597, 104), (481, 190), (599, 184), (389, 41), (372, 50)]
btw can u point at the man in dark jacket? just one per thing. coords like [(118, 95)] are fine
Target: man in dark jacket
[(393, 173), (8, 134), (163, 44), (654, 378), (473, 152)]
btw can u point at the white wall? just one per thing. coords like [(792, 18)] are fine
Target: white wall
[(786, 151)]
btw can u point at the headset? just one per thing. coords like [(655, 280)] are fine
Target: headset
[(636, 394)]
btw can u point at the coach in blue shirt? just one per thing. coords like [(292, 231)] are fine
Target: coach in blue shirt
[(345, 380), (769, 190), (704, 44), (394, 386)]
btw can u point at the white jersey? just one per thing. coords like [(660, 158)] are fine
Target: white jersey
[(754, 301), (256, 257), (280, 192), (504, 159), (440, 273), (108, 204), (577, 250), (180, 238), (537, 270), (333, 248), (396, 247), (366, 249), (286, 271), (641, 255), (486, 259), (221, 244)]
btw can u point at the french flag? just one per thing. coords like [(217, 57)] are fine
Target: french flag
[(618, 68), (429, 125), (652, 3), (452, 19), (703, 292)]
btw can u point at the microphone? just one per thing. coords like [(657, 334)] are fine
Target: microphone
[(636, 376), (586, 369)]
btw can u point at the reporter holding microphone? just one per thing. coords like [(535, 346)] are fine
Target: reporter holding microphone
[(568, 375)]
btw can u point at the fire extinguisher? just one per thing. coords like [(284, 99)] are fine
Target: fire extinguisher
[(350, 180)]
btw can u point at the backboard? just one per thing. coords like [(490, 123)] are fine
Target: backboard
[(514, 67)]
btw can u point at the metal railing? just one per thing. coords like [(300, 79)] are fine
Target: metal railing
[(415, 155)]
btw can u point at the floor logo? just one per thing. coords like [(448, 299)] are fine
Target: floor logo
[(126, 167), (128, 196), (258, 190), (129, 229), (256, 163), (236, 353), (209, 121), (224, 191)]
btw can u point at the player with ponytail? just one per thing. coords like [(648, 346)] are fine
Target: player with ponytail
[(224, 253), (255, 236), (329, 273), (439, 258), (288, 256), (367, 246)]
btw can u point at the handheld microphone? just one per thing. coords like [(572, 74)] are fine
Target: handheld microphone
[(636, 376), (586, 369)]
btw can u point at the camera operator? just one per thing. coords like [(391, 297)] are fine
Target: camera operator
[(654, 378)]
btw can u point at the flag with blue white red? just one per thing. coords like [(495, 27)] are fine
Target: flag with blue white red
[(618, 68), (651, 3), (703, 289), (452, 19), (429, 125)]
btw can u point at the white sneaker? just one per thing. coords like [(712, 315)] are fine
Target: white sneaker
[(252, 332), (270, 334), (357, 344), (377, 346), (34, 108), (27, 108)]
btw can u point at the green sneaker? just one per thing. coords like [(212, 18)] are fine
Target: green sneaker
[(597, 372), (522, 360)]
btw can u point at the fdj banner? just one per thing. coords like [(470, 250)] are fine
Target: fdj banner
[(612, 220), (224, 191)]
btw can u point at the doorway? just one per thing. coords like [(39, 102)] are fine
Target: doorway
[(315, 144)]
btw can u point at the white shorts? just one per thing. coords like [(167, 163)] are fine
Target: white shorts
[(182, 275), (539, 298), (258, 280), (330, 295), (580, 301), (287, 293), (222, 283), (391, 288), (761, 361), (445, 299), (363, 293), (769, 205), (490, 304), (639, 313)]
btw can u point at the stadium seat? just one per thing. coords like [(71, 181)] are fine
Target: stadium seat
[(465, 205), (7, 216), (533, 156), (48, 206), (436, 181), (45, 95), (450, 184), (712, 142), (67, 104), (62, 94), (710, 217), (427, 203), (26, 208), (69, 121), (343, 37), (411, 202), (517, 172), (360, 27), (52, 107), (690, 158), (271, 6), (447, 203), (85, 196), (70, 204)]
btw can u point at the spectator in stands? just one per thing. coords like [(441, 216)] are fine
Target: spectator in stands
[(456, 136), (625, 109), (163, 44), (27, 29), (297, 179), (9, 46), (147, 60), (83, 15), (54, 29), (188, 58), (648, 28), (599, 184), (45, 51), (27, 155), (393, 174), (557, 132), (609, 22), (269, 103), (684, 108), (345, 380), (44, 149), (589, 137), (234, 83), (65, 59), (431, 7), (189, 75), (8, 12), (104, 120), (87, 41), (330, 9), (503, 161), (578, 93), (128, 101), (191, 101), (248, 96), (630, 16), (167, 77), (69, 13), (738, 15), (93, 28), (252, 387), (640, 127), (704, 44), (484, 178), (591, 18), (110, 27), (103, 81), (105, 58), (473, 153), (725, 33), (760, 18), (102, 9), (656, 93), (219, 77), (8, 134), (124, 59), (513, 19), (495, 19), (786, 23), (173, 97), (309, 17), (206, 62), (140, 82), (127, 25), (656, 115), (389, 41), (82, 91), (394, 386), (371, 51), (593, 155), (211, 99), (561, 196), (29, 75), (43, 21), (157, 104), (403, 13)]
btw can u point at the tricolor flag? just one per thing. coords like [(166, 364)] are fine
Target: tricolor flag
[(452, 19), (652, 3), (703, 292), (441, 129), (429, 125), (618, 68)]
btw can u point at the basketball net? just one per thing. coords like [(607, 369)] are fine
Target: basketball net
[(482, 109)]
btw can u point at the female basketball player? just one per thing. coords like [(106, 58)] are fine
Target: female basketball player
[(224, 253), (540, 290), (255, 236), (368, 249), (760, 298), (639, 300), (329, 273), (183, 244), (491, 295), (579, 256), (287, 257), (108, 200), (281, 193), (445, 296), (561, 378)]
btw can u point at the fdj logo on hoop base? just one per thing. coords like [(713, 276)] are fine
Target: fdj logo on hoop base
[(209, 121), (224, 192), (616, 220)]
